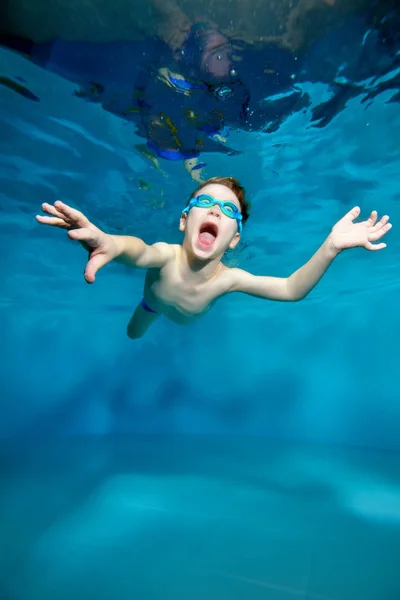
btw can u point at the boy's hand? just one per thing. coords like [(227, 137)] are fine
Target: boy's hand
[(346, 234), (102, 247)]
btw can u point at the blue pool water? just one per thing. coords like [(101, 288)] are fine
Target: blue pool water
[(254, 454)]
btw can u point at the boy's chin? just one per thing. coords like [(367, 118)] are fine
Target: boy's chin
[(202, 254)]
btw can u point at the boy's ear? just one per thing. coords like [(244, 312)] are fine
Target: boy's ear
[(182, 222), (234, 242)]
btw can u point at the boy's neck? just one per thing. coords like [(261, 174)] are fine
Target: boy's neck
[(195, 269)]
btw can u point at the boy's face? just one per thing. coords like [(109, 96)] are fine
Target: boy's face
[(208, 231), (215, 58)]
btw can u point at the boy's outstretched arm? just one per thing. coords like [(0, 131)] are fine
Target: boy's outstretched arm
[(102, 247), (345, 234)]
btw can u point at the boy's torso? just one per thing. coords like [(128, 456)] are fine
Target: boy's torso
[(182, 301)]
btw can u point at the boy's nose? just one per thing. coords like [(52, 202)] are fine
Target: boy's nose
[(215, 211)]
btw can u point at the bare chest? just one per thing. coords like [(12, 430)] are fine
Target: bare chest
[(171, 291)]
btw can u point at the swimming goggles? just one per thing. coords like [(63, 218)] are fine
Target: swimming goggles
[(227, 208)]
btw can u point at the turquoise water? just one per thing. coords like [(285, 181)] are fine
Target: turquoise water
[(194, 517), (254, 454)]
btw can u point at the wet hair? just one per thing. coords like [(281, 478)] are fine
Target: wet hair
[(234, 185)]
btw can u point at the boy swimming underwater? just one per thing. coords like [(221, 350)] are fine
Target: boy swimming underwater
[(184, 280)]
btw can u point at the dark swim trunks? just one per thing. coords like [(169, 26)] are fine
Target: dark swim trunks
[(147, 307)]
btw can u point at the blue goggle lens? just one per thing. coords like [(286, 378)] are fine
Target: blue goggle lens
[(227, 207)]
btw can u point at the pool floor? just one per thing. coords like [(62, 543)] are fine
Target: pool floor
[(197, 519)]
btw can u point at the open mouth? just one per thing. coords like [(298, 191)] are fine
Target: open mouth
[(208, 233)]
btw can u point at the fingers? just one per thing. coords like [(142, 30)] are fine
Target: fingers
[(375, 233), (93, 266), (370, 246), (352, 214), (372, 218), (380, 224), (51, 210), (55, 221), (72, 214), (63, 216), (371, 222)]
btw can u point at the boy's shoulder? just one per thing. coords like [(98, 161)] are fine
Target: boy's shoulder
[(167, 250), (229, 277)]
